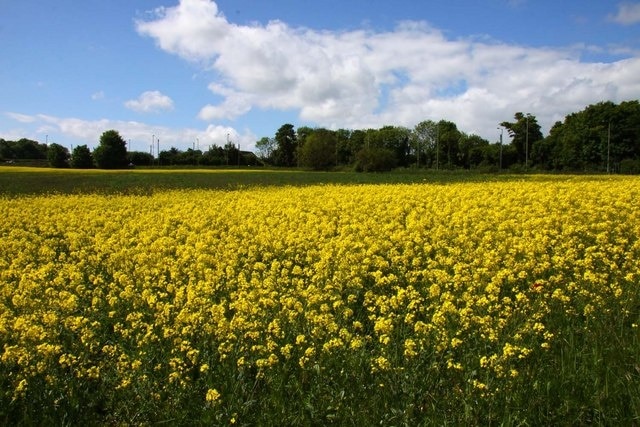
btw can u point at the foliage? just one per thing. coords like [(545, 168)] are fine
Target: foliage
[(375, 160), (285, 152), (58, 156), (319, 150), (265, 147), (466, 304), (394, 139), (423, 141), (22, 149), (630, 166), (525, 133), (81, 157), (112, 151), (597, 138), (139, 158)]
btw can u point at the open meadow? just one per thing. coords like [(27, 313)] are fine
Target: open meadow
[(299, 298)]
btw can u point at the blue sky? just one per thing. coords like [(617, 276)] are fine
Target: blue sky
[(198, 71)]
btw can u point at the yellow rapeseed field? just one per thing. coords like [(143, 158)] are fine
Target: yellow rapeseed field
[(222, 299)]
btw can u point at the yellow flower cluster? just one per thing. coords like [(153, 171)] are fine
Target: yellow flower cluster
[(157, 292)]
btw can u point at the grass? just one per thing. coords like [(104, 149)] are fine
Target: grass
[(15, 181)]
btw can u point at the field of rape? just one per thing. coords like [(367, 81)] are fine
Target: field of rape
[(514, 302)]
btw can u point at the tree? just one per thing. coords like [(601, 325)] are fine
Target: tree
[(524, 132), (58, 156), (375, 159), (319, 150), (448, 141), (344, 153), (472, 150), (139, 158), (81, 157), (265, 147), (285, 153), (112, 151), (423, 141)]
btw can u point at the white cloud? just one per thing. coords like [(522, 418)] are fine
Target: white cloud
[(97, 95), (362, 78), (150, 101), (22, 118), (628, 14)]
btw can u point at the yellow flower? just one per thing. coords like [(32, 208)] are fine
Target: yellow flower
[(212, 395)]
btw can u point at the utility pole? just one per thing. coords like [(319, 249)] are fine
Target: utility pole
[(438, 146), (226, 149), (501, 130), (608, 144), (526, 146)]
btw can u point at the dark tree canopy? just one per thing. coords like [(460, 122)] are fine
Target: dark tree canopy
[(22, 149), (81, 157), (319, 150), (58, 156), (112, 151), (285, 153), (524, 133)]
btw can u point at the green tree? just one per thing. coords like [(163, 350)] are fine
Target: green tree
[(169, 157), (423, 142), (448, 141), (319, 150), (344, 154), (285, 153), (524, 132), (375, 159), (598, 138), (58, 156), (139, 158), (265, 147), (81, 157), (471, 150), (112, 151), (6, 150), (395, 139)]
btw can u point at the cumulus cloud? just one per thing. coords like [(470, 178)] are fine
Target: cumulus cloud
[(628, 14), (150, 102), (363, 78)]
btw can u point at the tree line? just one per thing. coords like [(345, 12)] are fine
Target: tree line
[(603, 137), (112, 153)]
